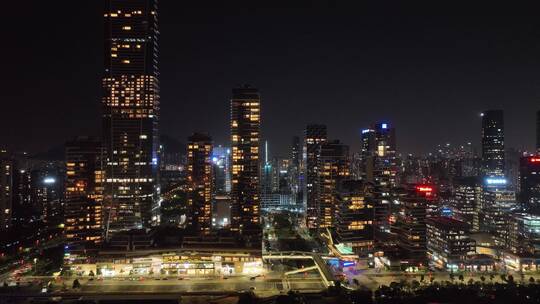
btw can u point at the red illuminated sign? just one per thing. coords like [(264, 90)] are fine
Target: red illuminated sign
[(424, 188)]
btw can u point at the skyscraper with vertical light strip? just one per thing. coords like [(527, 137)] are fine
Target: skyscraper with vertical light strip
[(245, 135), (130, 113)]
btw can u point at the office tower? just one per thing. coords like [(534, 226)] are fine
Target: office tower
[(493, 143), (529, 171), (497, 205), (386, 164), (410, 223), (466, 201), (368, 153), (7, 167), (130, 113), (296, 153), (83, 214), (48, 193), (267, 180), (524, 233), (333, 167), (511, 167), (355, 217), (199, 180), (245, 135), (448, 242), (221, 170), (538, 131), (314, 136), (23, 209)]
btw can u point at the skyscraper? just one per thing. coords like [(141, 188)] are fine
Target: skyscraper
[(199, 179), (83, 215), (333, 167), (538, 131), (530, 181), (385, 165), (130, 113), (6, 189), (493, 143), (314, 136), (245, 145), (221, 164)]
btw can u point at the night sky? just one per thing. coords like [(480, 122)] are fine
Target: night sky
[(428, 72)]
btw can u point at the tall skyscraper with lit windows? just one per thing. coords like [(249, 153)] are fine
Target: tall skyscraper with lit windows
[(333, 167), (245, 146), (130, 113), (315, 135), (493, 143), (83, 209), (538, 131), (199, 180)]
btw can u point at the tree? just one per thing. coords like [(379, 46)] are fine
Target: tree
[(461, 278), (247, 298), (510, 279), (483, 279), (91, 273), (76, 284), (471, 281)]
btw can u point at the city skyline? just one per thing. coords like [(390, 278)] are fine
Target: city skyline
[(353, 158), (462, 66)]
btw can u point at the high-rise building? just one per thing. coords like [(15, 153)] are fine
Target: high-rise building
[(410, 223), (448, 242), (83, 216), (386, 165), (538, 131), (355, 217), (530, 181), (524, 233), (379, 160), (221, 167), (130, 113), (7, 166), (245, 145), (493, 143), (315, 135), (467, 201), (333, 167), (199, 180)]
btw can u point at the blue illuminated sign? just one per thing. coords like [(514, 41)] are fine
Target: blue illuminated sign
[(496, 181), (384, 126)]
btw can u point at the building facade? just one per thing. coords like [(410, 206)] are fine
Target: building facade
[(130, 113), (83, 210), (315, 135), (199, 181), (493, 143), (448, 242), (245, 146), (333, 167), (529, 171)]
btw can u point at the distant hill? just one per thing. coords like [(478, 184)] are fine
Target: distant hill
[(56, 153), (171, 144)]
